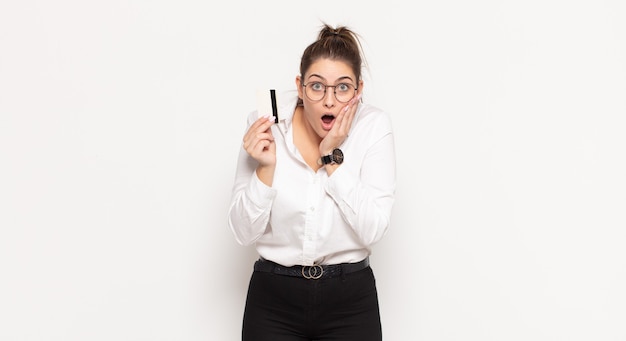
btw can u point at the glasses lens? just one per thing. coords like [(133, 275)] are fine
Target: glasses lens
[(344, 92), (316, 91)]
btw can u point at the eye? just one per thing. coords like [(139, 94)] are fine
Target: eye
[(317, 86), (344, 87)]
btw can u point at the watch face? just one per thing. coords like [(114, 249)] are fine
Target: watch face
[(337, 156)]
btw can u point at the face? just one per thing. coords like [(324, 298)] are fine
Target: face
[(321, 114)]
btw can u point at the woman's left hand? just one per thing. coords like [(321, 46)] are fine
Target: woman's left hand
[(339, 132)]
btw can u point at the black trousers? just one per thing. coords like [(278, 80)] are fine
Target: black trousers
[(284, 308)]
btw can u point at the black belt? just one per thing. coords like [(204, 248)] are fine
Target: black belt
[(312, 271)]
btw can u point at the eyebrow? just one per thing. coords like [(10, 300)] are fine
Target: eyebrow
[(339, 79)]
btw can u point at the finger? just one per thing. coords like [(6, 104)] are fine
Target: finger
[(261, 125), (351, 112), (255, 149), (261, 149), (252, 140), (350, 108), (344, 119)]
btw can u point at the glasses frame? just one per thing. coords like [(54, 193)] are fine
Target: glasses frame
[(334, 91)]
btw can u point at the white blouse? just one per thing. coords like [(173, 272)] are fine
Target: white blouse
[(308, 217)]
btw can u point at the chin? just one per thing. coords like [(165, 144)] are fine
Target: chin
[(322, 131)]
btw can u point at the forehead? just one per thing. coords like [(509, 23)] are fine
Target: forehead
[(330, 69)]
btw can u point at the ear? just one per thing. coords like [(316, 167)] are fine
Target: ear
[(299, 87), (360, 91)]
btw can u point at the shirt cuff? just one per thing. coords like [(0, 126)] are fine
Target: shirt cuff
[(341, 184), (259, 193)]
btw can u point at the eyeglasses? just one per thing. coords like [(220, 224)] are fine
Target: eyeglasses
[(344, 92)]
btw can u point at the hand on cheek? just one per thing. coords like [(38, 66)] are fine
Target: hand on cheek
[(339, 132)]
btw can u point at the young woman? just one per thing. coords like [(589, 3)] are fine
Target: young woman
[(313, 193)]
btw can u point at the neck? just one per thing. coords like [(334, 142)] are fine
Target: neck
[(306, 139), (304, 129)]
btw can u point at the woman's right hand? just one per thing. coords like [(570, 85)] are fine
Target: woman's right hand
[(259, 142)]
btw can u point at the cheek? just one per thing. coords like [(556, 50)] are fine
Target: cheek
[(308, 116), (310, 109)]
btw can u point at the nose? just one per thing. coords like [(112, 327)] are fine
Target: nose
[(329, 97)]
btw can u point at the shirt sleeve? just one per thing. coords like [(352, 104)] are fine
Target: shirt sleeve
[(365, 196), (251, 202)]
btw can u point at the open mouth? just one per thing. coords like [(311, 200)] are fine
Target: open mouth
[(327, 121)]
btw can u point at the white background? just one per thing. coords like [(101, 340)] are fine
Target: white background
[(120, 124)]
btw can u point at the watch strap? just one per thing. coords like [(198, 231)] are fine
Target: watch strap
[(326, 159)]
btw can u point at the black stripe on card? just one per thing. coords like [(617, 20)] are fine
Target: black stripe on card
[(274, 107)]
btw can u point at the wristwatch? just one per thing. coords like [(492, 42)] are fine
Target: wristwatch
[(335, 157)]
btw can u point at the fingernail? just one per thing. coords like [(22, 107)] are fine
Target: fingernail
[(346, 108)]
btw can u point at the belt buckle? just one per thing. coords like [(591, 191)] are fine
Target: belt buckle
[(312, 272)]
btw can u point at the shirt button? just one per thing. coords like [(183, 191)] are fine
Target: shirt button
[(312, 209)]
